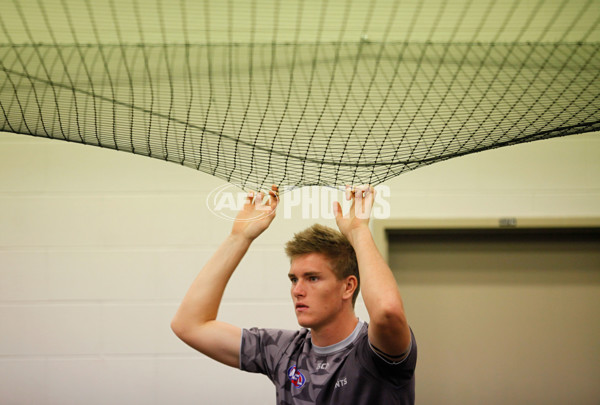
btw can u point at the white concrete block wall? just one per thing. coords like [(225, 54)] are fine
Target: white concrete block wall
[(97, 248), (551, 178)]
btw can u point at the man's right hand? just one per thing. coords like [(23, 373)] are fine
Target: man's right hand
[(256, 215)]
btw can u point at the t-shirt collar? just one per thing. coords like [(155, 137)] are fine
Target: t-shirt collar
[(340, 345)]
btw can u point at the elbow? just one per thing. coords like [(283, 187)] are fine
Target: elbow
[(187, 331), (390, 315), (176, 327), (179, 328)]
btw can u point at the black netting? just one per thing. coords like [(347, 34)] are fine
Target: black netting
[(300, 92)]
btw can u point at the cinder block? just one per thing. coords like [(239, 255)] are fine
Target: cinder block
[(140, 329), (582, 203), (23, 276), (102, 275), (138, 220), (23, 381), (176, 269), (22, 166), (261, 276), (200, 380), (131, 380), (74, 381), (50, 329)]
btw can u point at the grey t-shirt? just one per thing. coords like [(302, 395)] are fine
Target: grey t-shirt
[(349, 372)]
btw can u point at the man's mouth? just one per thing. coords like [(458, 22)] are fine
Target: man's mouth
[(301, 307)]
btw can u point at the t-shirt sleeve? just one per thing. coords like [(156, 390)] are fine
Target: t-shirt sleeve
[(398, 372), (261, 349)]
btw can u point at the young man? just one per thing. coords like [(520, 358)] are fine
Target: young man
[(335, 358)]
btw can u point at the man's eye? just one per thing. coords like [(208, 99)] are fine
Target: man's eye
[(314, 278)]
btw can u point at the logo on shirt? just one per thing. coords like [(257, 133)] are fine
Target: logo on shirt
[(341, 382), (322, 365), (296, 377)]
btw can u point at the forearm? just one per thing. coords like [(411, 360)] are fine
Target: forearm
[(378, 285), (201, 302), (388, 327)]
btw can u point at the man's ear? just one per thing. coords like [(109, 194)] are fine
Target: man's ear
[(350, 285)]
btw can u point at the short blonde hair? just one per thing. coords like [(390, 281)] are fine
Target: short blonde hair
[(331, 243)]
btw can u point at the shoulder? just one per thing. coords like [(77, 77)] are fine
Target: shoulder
[(267, 336), (383, 365), (398, 359), (271, 340), (262, 350)]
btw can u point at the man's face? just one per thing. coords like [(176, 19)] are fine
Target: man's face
[(316, 292)]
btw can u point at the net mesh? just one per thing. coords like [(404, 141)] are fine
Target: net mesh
[(299, 92)]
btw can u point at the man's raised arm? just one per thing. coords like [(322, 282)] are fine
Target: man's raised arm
[(195, 321), (388, 328)]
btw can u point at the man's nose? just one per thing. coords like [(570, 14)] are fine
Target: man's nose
[(298, 289)]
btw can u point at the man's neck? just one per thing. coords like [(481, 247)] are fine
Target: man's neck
[(334, 332)]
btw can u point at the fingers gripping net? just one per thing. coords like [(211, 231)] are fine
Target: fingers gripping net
[(300, 92)]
